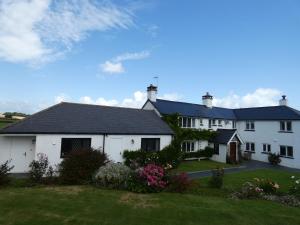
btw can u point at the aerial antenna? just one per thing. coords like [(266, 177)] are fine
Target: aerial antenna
[(156, 78)]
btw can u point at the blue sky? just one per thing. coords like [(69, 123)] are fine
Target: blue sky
[(246, 53)]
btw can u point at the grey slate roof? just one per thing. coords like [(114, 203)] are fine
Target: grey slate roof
[(72, 118), (193, 110), (197, 110), (223, 136)]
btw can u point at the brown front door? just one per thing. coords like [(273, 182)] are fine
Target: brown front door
[(233, 151)]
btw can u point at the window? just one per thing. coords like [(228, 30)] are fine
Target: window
[(73, 144), (216, 149), (266, 148), (188, 146), (209, 123), (187, 122), (214, 122), (250, 125), (151, 144), (286, 126), (233, 124), (250, 146), (287, 151), (219, 123), (201, 122)]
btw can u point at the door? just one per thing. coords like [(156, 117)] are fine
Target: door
[(114, 149), (22, 153), (233, 146)]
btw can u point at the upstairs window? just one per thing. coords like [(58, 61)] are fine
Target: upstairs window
[(187, 122), (233, 124), (286, 126), (214, 122), (250, 147), (201, 122), (286, 151), (188, 146), (73, 144), (151, 144), (219, 123), (250, 125), (267, 148)]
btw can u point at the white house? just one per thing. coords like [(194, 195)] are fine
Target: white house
[(68, 126), (2, 116), (255, 131)]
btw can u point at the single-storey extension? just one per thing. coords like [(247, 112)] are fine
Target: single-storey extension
[(65, 127)]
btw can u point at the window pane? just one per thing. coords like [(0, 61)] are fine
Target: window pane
[(150, 144), (184, 122), (264, 147), (252, 126), (252, 147), (290, 152), (192, 146), (282, 125), (248, 146), (247, 126), (216, 149), (269, 148), (193, 122), (189, 122), (283, 150), (74, 144), (289, 126)]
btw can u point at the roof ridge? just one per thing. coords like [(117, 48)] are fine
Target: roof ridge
[(104, 106)]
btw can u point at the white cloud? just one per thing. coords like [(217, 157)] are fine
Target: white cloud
[(153, 31), (18, 106), (111, 67), (37, 31), (115, 65), (61, 98), (260, 97), (136, 101)]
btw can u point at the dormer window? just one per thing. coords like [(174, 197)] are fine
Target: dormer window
[(250, 126), (286, 126)]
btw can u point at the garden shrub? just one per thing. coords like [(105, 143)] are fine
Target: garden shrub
[(179, 183), (80, 166), (38, 168), (4, 172), (295, 186), (268, 186), (207, 153), (274, 158), (151, 178), (170, 156), (112, 175), (216, 181), (248, 191)]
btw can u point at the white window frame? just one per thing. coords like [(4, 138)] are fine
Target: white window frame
[(267, 148), (188, 146), (190, 122), (220, 123), (283, 126), (287, 148), (251, 146), (250, 125)]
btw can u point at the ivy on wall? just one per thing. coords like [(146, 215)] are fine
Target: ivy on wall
[(182, 134)]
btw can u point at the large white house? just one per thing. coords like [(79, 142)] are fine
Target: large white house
[(69, 126), (255, 131)]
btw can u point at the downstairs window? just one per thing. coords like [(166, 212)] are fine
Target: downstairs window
[(73, 144), (151, 144)]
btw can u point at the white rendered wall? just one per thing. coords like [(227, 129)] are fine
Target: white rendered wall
[(267, 132), (223, 151)]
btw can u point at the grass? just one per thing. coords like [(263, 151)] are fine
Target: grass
[(192, 166), (5, 122), (87, 205)]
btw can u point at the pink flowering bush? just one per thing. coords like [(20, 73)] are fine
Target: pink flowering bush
[(150, 178)]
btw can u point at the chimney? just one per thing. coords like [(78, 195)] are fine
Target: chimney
[(207, 100), (283, 101), (152, 93)]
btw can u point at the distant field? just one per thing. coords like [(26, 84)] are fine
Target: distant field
[(4, 122)]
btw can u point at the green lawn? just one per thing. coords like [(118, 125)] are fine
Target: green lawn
[(4, 122), (87, 205), (192, 166)]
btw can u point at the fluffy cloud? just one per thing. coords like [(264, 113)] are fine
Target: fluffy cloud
[(260, 97), (115, 65), (112, 68), (37, 31), (136, 101), (61, 98)]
